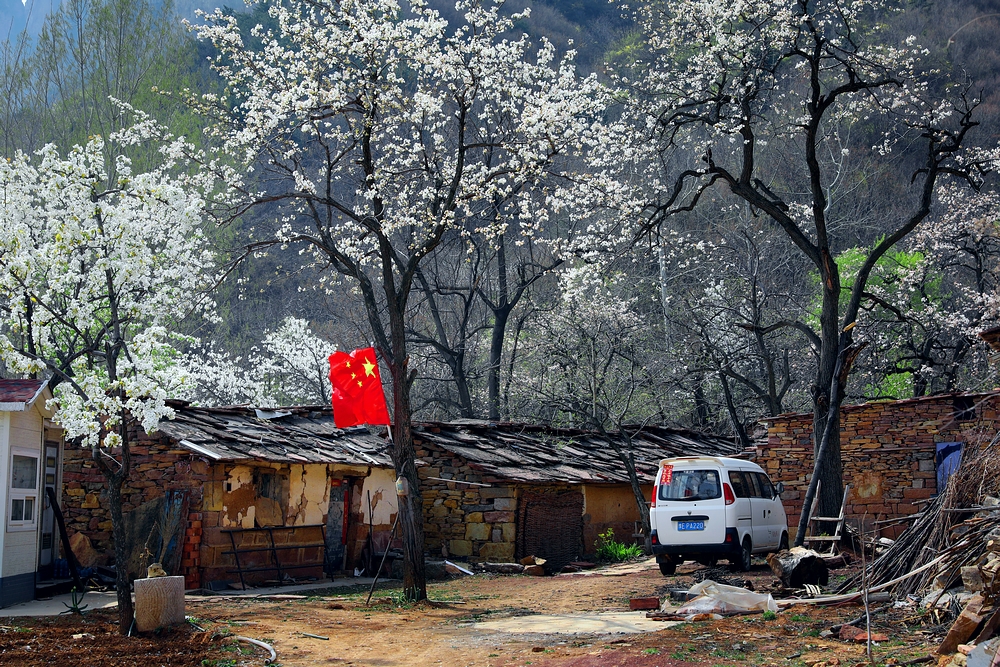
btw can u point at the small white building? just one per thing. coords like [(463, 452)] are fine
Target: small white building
[(30, 447)]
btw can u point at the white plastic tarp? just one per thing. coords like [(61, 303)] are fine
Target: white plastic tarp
[(716, 598)]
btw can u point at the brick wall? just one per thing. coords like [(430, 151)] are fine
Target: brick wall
[(887, 449)]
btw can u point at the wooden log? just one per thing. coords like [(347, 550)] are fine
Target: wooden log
[(501, 568), (159, 602), (798, 566)]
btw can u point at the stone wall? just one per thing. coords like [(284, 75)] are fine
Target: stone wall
[(473, 521), (887, 448), (156, 468)]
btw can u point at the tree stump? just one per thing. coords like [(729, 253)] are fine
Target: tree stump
[(799, 566), (159, 602)]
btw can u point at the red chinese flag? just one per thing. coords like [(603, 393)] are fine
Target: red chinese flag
[(357, 389)]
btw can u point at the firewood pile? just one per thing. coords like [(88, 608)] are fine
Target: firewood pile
[(951, 533)]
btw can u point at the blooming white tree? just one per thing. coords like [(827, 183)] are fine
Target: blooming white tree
[(289, 368), (807, 112), (371, 129), (589, 361), (93, 276), (929, 301)]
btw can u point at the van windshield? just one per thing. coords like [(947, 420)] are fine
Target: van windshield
[(691, 485)]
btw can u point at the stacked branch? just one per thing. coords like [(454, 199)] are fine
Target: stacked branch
[(948, 528)]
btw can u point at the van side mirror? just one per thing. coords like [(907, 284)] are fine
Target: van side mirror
[(779, 487)]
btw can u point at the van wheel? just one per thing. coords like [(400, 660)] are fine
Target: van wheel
[(784, 542), (741, 562), (667, 568)]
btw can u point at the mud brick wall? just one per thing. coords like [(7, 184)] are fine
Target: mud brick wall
[(887, 448), (156, 467), (232, 502)]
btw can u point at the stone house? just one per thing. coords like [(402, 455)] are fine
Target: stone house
[(233, 493), (501, 491), (893, 452), (29, 463)]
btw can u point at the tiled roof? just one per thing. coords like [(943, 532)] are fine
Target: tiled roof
[(532, 453), (290, 435), (19, 391), (517, 452)]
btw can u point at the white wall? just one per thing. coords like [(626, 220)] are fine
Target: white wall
[(20, 547)]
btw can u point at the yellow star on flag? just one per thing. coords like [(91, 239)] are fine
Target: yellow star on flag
[(369, 366)]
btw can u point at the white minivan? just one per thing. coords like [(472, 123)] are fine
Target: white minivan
[(707, 508)]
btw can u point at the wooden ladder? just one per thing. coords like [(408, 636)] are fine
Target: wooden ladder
[(816, 522)]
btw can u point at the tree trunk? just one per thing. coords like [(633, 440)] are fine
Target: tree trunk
[(628, 461), (122, 588), (830, 468), (500, 317), (734, 416), (411, 517)]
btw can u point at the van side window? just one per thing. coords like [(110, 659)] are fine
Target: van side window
[(767, 489), (738, 483), (754, 484)]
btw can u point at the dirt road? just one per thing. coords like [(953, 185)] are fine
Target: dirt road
[(446, 630)]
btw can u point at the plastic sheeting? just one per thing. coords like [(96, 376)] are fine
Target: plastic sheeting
[(716, 598)]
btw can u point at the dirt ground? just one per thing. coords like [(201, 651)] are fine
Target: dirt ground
[(442, 631)]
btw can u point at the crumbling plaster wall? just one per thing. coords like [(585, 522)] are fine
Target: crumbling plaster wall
[(379, 484), (888, 450)]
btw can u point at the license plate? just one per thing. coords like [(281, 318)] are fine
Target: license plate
[(690, 525)]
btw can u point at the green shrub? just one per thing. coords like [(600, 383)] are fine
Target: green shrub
[(610, 551)]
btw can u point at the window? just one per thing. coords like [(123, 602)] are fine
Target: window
[(691, 485), (766, 488), (753, 484), (739, 485), (23, 508)]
